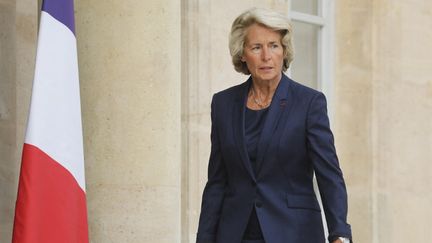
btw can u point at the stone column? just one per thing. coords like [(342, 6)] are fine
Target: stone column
[(402, 121), (129, 60), (383, 117)]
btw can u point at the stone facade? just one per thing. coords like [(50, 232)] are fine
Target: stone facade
[(148, 70)]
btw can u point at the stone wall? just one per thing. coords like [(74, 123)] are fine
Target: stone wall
[(353, 110), (17, 53)]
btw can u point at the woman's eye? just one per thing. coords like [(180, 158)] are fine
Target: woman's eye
[(256, 49)]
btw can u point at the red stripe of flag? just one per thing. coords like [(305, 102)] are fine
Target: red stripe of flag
[(51, 206)]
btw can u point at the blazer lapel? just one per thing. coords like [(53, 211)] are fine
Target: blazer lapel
[(239, 126), (276, 109)]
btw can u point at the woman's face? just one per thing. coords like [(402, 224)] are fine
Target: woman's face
[(263, 53)]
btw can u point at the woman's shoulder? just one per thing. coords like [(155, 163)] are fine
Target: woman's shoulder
[(298, 87), (303, 91), (233, 92)]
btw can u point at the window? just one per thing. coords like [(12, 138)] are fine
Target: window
[(312, 22)]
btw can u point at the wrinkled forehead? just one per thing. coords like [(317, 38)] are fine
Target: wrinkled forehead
[(261, 34)]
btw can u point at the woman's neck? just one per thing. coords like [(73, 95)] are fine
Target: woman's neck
[(261, 93), (264, 88)]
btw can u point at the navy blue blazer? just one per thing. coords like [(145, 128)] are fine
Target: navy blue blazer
[(295, 142)]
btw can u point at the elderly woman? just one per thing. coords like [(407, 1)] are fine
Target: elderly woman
[(269, 135)]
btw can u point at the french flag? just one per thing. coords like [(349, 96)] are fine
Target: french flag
[(51, 201)]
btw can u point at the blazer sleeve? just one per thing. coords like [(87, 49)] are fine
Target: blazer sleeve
[(329, 176), (214, 190)]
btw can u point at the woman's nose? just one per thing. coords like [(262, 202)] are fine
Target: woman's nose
[(266, 54)]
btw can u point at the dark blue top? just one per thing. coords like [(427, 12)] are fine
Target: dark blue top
[(254, 123)]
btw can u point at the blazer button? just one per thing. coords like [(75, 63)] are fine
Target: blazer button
[(258, 204)]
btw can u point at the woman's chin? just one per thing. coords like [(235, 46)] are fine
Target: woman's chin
[(268, 77)]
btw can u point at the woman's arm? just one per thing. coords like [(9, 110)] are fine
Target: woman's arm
[(328, 173), (214, 190)]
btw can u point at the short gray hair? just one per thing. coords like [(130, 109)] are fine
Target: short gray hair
[(267, 18)]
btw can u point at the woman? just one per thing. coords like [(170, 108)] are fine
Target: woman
[(269, 135)]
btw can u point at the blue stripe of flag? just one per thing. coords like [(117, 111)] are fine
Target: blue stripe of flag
[(62, 10)]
